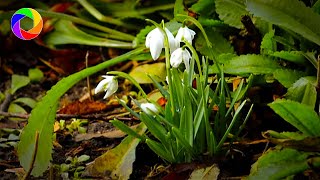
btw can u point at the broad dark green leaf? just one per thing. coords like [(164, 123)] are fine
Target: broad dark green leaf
[(230, 11), (279, 164), (246, 64), (304, 91), (301, 116), (287, 76), (291, 14)]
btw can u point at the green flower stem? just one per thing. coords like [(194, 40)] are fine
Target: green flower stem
[(195, 55), (117, 34), (194, 21), (94, 12), (167, 54), (130, 78)]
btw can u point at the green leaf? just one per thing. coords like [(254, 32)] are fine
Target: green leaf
[(67, 33), (292, 56), (301, 116), (279, 164), (290, 14), (285, 135), (304, 91), (219, 45), (230, 11), (15, 108), (83, 158), (268, 44), (159, 149), (203, 7), (35, 74), (245, 64), (156, 70), (287, 76), (26, 101), (17, 82), (43, 115), (118, 160)]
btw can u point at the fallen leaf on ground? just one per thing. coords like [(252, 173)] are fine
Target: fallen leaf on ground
[(85, 107), (118, 161), (208, 173)]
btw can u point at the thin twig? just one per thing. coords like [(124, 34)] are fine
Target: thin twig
[(88, 77), (106, 117), (5, 104), (34, 155)]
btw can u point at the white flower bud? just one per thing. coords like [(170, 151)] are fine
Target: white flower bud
[(109, 84)]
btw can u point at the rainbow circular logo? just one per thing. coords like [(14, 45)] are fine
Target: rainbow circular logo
[(31, 33)]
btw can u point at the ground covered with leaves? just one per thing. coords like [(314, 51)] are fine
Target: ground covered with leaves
[(237, 98)]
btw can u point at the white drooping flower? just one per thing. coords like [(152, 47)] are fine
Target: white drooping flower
[(149, 108), (179, 55), (109, 84), (155, 41), (186, 33)]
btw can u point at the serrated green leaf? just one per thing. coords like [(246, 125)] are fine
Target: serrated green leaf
[(17, 82), (118, 160), (292, 56), (279, 164), (26, 101), (286, 135), (267, 43), (67, 33), (287, 76), (219, 45), (42, 118), (304, 91), (230, 11), (156, 70), (291, 14), (301, 116), (246, 64), (35, 74)]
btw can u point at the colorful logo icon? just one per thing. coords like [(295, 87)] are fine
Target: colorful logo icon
[(31, 33)]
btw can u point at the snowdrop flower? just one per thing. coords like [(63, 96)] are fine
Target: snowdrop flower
[(155, 41), (149, 108), (179, 55), (186, 33), (109, 84)]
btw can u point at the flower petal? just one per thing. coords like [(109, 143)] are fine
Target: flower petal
[(100, 87), (156, 47)]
